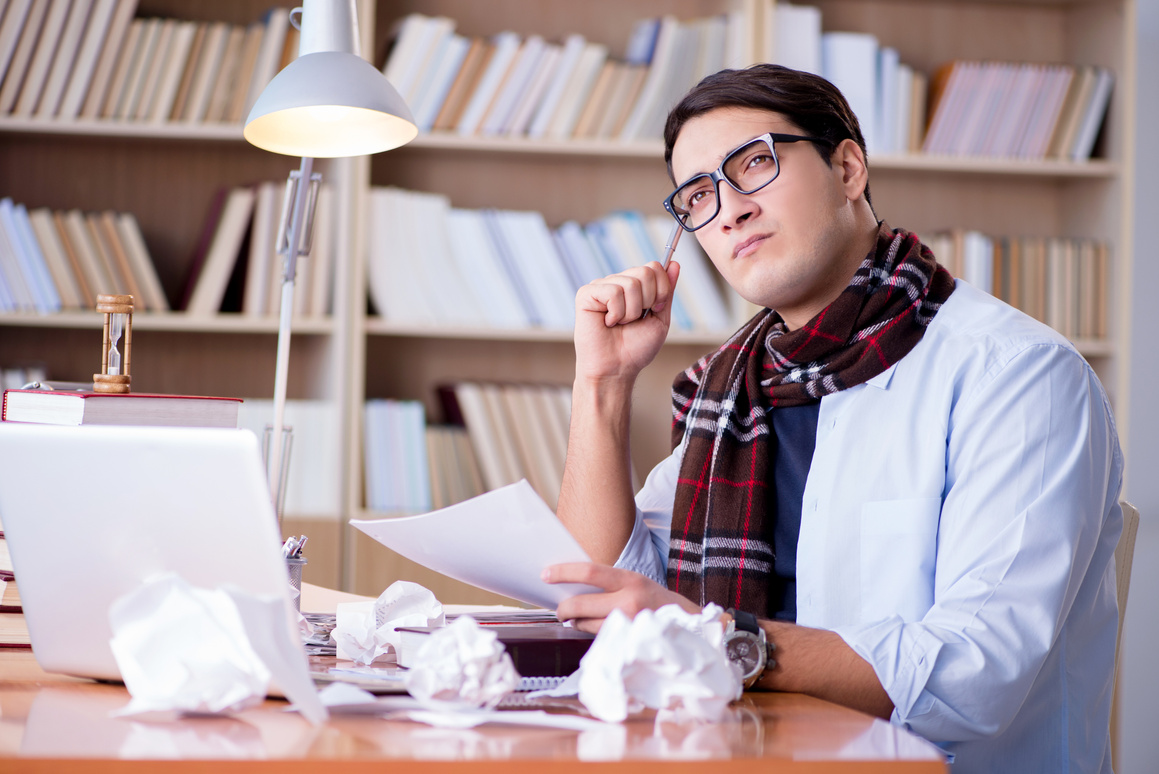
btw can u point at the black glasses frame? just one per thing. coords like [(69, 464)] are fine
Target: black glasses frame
[(771, 138)]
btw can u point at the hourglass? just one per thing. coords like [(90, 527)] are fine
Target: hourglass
[(114, 375)]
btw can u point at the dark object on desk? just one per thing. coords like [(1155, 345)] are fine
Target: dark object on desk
[(548, 650), (58, 407)]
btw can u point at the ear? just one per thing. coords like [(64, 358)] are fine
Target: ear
[(849, 162)]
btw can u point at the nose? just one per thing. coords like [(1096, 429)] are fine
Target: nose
[(735, 207)]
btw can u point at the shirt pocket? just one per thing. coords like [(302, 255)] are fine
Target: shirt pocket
[(899, 542)]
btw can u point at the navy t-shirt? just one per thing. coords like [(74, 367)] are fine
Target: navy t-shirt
[(796, 432)]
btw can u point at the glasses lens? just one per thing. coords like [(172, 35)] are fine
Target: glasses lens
[(695, 201), (750, 167)]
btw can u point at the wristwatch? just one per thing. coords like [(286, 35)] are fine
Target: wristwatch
[(747, 646)]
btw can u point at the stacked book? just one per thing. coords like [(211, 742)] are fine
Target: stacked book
[(433, 264), (238, 245), (53, 261), (1061, 282), (13, 628), (91, 59), (1019, 111)]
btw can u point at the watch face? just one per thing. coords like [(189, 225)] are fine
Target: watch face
[(744, 650)]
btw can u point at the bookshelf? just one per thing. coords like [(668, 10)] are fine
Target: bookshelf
[(166, 175)]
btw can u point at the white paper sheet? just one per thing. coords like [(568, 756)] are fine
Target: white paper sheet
[(499, 541)]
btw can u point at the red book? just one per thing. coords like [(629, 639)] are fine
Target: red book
[(62, 407)]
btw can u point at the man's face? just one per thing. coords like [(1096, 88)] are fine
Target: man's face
[(792, 246)]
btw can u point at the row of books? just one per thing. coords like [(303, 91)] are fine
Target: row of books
[(68, 59), (516, 85), (239, 240), (59, 260), (1024, 111), (1061, 282), (495, 435), (434, 264)]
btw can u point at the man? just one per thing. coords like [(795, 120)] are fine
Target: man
[(910, 484)]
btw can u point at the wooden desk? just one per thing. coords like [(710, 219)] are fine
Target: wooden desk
[(50, 723)]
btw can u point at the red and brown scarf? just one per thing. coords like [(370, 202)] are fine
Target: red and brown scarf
[(721, 547)]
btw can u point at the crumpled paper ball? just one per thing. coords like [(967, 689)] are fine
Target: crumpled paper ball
[(184, 649), (365, 631), (461, 665), (665, 659)]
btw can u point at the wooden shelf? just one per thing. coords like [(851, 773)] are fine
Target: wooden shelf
[(646, 149), (376, 326), (106, 128), (170, 321)]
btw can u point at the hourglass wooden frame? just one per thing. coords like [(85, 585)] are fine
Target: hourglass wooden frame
[(119, 382)]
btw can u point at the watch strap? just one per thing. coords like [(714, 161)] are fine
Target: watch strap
[(744, 620)]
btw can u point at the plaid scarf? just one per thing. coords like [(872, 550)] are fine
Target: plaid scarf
[(721, 546)]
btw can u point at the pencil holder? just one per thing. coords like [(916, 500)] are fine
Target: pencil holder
[(294, 565)]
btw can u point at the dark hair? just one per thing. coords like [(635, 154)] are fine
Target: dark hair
[(808, 101)]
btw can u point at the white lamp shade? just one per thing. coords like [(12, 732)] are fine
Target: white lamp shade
[(329, 104)]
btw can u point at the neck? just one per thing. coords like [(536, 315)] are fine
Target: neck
[(862, 241)]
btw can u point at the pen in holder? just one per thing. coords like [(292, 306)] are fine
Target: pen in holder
[(279, 468), (292, 551)]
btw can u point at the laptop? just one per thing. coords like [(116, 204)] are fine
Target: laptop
[(92, 512)]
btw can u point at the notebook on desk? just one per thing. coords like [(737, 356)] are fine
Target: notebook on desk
[(91, 512)]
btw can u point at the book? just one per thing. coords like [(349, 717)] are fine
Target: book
[(255, 36), (577, 90), (222, 89), (63, 274), (24, 242), (595, 105), (188, 70), (169, 82), (506, 47), (21, 55), (46, 46), (528, 102), (205, 72), (201, 249), (98, 86), (573, 48), (134, 245), (474, 64), (224, 249), (59, 407), (1092, 121), (83, 281), (120, 72), (279, 42), (444, 70), (144, 64), (261, 261), (64, 58), (536, 649), (86, 58), (10, 30)]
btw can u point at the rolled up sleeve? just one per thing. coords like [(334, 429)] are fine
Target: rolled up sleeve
[(646, 551)]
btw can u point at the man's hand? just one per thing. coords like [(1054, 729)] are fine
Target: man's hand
[(612, 342), (624, 590)]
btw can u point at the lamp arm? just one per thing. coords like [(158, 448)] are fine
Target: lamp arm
[(297, 223)]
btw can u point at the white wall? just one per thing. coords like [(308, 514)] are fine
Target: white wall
[(1139, 661)]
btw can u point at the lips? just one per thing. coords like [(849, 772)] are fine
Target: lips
[(747, 246)]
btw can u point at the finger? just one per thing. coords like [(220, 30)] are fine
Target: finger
[(589, 625), (583, 606), (663, 310)]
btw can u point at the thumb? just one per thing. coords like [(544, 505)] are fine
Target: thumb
[(673, 271)]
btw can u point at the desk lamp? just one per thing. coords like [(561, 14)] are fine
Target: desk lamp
[(327, 103)]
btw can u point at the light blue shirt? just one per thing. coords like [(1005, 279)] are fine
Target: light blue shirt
[(958, 531)]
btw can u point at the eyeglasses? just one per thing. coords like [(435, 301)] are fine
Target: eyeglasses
[(747, 169)]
